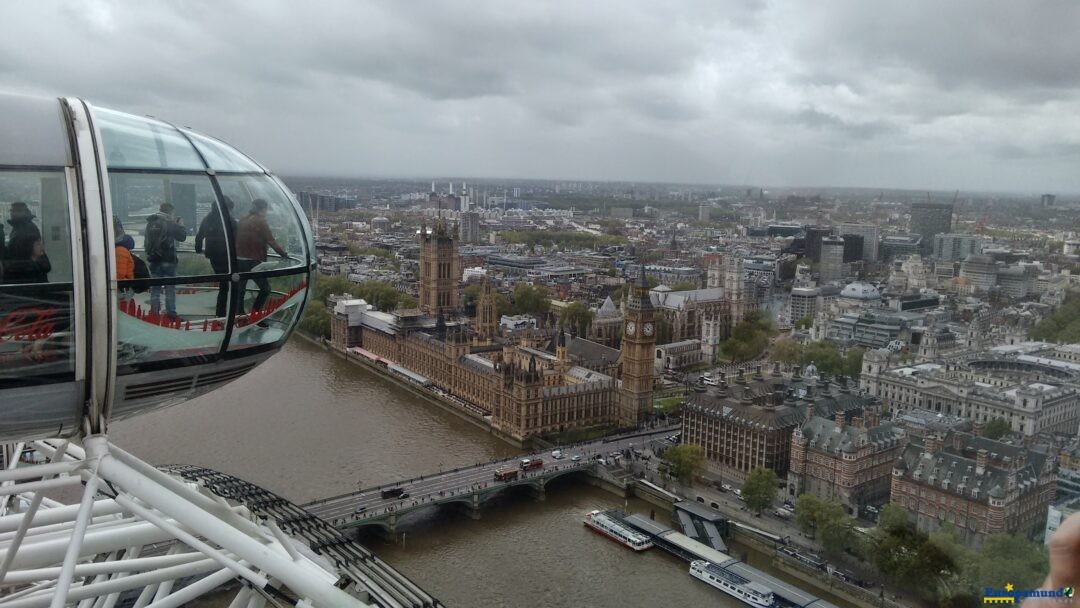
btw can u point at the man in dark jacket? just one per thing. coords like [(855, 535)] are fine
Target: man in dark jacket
[(24, 259), (253, 236), (210, 241), (160, 238)]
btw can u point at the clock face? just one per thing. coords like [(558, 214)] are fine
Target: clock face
[(648, 329), (630, 328)]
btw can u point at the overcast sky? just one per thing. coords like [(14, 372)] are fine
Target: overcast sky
[(971, 95)]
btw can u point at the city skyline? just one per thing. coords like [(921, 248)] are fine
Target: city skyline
[(976, 98)]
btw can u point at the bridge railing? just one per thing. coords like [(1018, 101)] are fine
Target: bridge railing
[(394, 484)]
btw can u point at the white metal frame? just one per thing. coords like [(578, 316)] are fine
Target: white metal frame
[(139, 530)]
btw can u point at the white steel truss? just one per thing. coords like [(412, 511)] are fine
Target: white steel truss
[(140, 535)]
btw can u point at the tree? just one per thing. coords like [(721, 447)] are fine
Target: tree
[(806, 508), (996, 428), (1008, 557), (750, 337), (316, 320), (685, 286), (531, 300), (685, 461), (893, 518), (837, 529), (759, 489), (804, 322), (577, 317), (786, 351), (852, 366)]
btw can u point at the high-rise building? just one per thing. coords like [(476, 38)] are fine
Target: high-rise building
[(636, 358), (1047, 200), (469, 227), (832, 259), (440, 270), (871, 235), (929, 220), (703, 213), (814, 234), (981, 270), (853, 248), (517, 192), (952, 247)]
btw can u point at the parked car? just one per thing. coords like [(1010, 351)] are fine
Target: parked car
[(726, 488)]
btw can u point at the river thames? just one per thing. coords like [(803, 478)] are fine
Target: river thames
[(307, 424)]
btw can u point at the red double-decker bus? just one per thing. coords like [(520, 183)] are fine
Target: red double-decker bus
[(531, 464), (506, 474)]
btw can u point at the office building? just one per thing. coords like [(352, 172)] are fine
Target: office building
[(929, 220), (469, 227), (954, 247), (871, 235), (814, 234), (853, 248), (832, 260), (898, 245), (981, 271)]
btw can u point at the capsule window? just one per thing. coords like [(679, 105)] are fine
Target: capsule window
[(36, 298)]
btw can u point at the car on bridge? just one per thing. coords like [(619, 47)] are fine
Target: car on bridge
[(360, 509)]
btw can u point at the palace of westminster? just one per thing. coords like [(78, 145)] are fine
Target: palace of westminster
[(526, 382)]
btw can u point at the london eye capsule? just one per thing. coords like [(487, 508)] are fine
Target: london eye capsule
[(141, 264)]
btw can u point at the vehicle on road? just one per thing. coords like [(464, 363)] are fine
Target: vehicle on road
[(701, 499), (403, 495), (738, 494), (725, 487), (783, 513), (392, 492), (714, 505), (575, 458), (531, 464), (507, 474), (360, 509), (806, 558), (557, 454)]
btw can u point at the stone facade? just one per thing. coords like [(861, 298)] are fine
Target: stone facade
[(1034, 394), (636, 358), (748, 422), (976, 485), (849, 462), (440, 270)]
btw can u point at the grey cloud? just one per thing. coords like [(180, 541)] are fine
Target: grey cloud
[(836, 92)]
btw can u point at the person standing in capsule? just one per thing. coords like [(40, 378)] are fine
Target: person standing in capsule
[(252, 238), (210, 241), (24, 259), (163, 231)]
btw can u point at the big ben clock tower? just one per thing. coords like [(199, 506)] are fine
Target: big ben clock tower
[(638, 344)]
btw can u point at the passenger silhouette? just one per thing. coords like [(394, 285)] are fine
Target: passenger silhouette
[(24, 259), (252, 238), (163, 231), (211, 241)]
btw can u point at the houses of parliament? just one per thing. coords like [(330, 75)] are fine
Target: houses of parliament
[(527, 383)]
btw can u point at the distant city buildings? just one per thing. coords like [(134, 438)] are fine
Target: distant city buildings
[(929, 219), (871, 236), (952, 247)]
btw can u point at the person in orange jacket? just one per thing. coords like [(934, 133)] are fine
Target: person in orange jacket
[(125, 261)]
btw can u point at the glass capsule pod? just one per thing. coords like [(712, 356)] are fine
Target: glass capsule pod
[(141, 264)]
